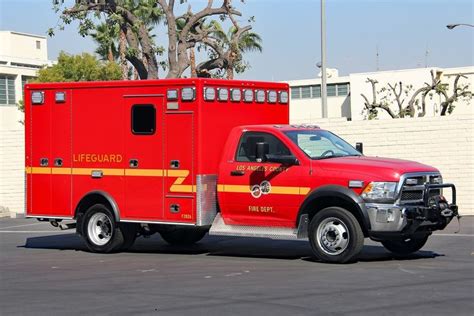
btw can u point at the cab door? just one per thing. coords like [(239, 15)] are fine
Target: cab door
[(143, 156), (261, 193)]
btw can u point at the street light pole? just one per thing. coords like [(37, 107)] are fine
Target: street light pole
[(324, 95), (452, 26)]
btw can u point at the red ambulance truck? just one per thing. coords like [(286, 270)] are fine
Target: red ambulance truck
[(186, 157)]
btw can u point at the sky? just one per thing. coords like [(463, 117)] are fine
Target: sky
[(406, 34)]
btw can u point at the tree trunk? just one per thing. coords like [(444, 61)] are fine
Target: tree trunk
[(123, 59), (110, 54), (192, 60)]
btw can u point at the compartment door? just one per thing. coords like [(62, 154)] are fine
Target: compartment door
[(39, 168), (61, 163), (144, 173), (180, 179)]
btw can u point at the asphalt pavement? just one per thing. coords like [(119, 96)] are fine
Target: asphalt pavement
[(44, 271)]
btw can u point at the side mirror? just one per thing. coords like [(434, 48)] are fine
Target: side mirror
[(289, 160), (360, 147), (261, 151)]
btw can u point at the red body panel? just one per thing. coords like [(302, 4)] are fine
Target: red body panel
[(93, 134)]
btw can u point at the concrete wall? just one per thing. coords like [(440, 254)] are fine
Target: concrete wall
[(443, 142), (310, 109)]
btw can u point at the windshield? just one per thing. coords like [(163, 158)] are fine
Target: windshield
[(318, 144)]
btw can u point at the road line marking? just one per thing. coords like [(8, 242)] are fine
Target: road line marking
[(21, 225), (455, 235), (31, 232)]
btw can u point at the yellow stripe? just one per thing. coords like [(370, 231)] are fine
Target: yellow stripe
[(61, 171), (274, 190), (183, 188), (177, 173), (40, 170), (144, 172)]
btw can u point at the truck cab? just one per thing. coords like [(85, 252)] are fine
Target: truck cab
[(314, 184)]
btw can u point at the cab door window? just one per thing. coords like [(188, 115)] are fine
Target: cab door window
[(246, 151)]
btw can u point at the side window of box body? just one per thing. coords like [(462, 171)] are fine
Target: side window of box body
[(143, 118)]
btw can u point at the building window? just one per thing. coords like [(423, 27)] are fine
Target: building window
[(7, 90), (25, 80), (331, 90), (342, 89), (316, 91), (143, 119), (295, 93), (38, 45), (306, 92)]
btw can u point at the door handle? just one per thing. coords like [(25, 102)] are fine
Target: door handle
[(133, 163), (237, 173)]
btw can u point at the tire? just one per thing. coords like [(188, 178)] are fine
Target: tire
[(130, 232), (335, 235), (100, 231), (405, 247), (183, 236)]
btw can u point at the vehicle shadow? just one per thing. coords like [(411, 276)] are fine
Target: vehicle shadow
[(239, 247)]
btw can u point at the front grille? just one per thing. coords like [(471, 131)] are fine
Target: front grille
[(412, 195), (413, 187)]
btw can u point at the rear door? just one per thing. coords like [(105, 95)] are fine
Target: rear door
[(144, 157)]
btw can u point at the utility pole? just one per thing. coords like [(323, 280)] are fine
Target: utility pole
[(324, 95)]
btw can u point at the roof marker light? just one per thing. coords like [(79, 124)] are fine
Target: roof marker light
[(235, 95), (60, 97), (37, 97), (283, 97), (172, 94), (272, 96), (222, 94), (248, 95), (209, 94), (188, 94), (260, 96)]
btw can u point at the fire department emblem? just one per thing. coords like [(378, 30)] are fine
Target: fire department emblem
[(263, 188)]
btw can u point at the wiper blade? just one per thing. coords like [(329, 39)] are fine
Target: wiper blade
[(335, 156)]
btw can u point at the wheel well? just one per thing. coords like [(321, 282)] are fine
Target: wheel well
[(323, 202), (90, 200)]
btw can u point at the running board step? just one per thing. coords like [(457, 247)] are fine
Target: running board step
[(219, 228)]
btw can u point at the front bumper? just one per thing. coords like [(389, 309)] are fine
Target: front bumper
[(392, 221)]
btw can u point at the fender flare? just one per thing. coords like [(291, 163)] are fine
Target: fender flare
[(106, 196), (336, 191)]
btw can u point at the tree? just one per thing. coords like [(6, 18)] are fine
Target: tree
[(106, 37), (134, 17), (228, 48), (397, 93), (84, 67)]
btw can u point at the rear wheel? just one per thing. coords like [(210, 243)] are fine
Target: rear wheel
[(100, 231), (405, 247), (183, 236), (335, 235)]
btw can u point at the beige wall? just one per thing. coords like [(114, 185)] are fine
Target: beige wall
[(443, 142), (20, 47)]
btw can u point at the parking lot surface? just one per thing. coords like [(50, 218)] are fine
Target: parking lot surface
[(44, 271)]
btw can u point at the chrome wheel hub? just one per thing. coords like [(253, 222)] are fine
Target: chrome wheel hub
[(99, 229), (332, 236)]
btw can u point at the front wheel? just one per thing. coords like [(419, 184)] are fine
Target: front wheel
[(335, 235), (405, 247)]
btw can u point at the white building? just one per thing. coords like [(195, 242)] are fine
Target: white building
[(21, 55), (345, 93)]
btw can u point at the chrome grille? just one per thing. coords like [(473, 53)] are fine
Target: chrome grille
[(414, 185)]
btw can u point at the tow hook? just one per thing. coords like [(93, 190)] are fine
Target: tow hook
[(447, 213)]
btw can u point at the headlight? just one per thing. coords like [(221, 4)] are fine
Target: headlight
[(379, 191)]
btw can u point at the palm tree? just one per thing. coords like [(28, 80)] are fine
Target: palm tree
[(235, 47), (106, 36)]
